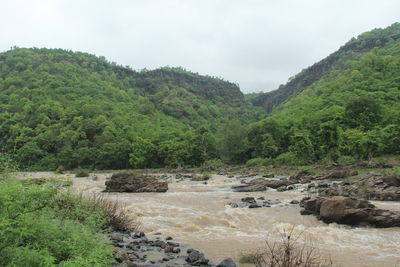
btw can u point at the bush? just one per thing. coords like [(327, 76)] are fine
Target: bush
[(214, 163), (60, 170), (246, 258), (289, 158), (346, 160), (43, 226), (290, 252), (81, 173), (7, 165), (258, 162)]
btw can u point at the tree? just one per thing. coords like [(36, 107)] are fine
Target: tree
[(232, 142), (301, 146), (364, 112), (352, 143), (143, 153), (329, 137)]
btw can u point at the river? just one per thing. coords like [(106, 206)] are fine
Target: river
[(197, 214)]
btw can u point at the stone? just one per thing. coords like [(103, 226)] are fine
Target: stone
[(227, 263), (135, 182), (248, 200), (196, 258), (350, 211), (172, 244), (168, 249)]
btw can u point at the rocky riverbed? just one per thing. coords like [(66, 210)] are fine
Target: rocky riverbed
[(136, 249), (199, 213)]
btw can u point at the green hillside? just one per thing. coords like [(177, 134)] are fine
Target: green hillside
[(69, 109), (352, 50), (347, 105)]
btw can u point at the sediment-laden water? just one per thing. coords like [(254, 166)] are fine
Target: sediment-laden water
[(197, 214)]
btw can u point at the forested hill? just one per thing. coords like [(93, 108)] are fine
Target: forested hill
[(352, 50), (69, 109), (344, 108)]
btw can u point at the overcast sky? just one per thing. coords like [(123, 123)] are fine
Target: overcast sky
[(258, 44)]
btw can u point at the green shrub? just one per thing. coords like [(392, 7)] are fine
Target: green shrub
[(246, 258), (214, 163), (43, 226), (289, 158), (7, 165), (60, 170), (81, 173), (346, 160), (258, 162)]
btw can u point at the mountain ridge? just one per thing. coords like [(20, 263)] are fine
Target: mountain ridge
[(311, 74)]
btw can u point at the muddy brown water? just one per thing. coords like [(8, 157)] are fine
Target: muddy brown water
[(197, 214)]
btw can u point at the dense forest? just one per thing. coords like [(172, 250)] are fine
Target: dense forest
[(64, 109), (349, 111)]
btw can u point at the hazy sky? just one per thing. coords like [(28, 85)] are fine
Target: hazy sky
[(257, 44)]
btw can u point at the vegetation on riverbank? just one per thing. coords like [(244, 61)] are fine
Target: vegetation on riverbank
[(42, 225)]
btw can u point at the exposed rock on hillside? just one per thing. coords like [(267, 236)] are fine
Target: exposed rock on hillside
[(136, 183), (350, 211)]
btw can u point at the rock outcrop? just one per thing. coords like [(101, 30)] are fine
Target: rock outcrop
[(263, 184), (135, 183), (283, 184), (305, 176), (252, 203), (368, 186), (350, 211)]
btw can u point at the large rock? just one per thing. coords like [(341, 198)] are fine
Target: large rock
[(350, 211), (136, 183), (262, 185), (196, 258)]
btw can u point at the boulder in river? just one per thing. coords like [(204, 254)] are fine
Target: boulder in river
[(196, 258), (262, 185), (350, 211), (227, 263), (135, 182)]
